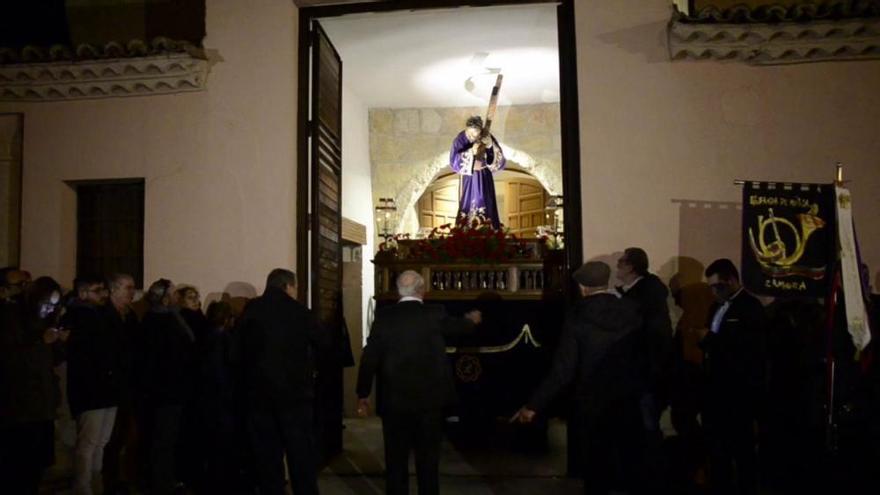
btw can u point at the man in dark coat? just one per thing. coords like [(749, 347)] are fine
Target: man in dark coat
[(276, 341), (735, 369), (650, 295), (166, 372), (94, 374), (597, 352), (122, 455), (406, 351)]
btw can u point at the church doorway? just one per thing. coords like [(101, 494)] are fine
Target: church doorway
[(384, 88)]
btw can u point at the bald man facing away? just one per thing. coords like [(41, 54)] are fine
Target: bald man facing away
[(406, 352)]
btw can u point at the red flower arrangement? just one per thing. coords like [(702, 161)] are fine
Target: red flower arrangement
[(474, 240)]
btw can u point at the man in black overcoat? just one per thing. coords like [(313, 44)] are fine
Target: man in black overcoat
[(95, 371), (406, 353), (275, 344), (598, 355), (650, 295)]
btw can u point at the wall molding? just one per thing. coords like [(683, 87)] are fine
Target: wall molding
[(103, 78), (774, 43)]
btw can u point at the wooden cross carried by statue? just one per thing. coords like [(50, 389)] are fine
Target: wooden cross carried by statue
[(480, 154)]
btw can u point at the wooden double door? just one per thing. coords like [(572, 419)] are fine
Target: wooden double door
[(521, 202)]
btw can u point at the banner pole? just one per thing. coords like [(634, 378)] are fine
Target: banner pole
[(831, 308), (838, 180)]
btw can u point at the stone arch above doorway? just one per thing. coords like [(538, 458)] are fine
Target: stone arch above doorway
[(543, 170)]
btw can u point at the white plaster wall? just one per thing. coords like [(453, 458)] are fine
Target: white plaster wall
[(655, 132), (220, 165), (357, 198)]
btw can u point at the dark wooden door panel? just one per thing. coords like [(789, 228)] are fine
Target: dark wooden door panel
[(325, 172)]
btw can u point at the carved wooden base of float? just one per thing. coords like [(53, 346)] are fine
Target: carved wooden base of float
[(496, 367)]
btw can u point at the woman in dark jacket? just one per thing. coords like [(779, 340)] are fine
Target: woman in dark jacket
[(29, 393), (190, 455), (215, 433)]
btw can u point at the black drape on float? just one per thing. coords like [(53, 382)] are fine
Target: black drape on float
[(788, 238)]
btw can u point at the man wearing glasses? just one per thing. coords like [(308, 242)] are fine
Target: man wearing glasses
[(13, 282), (734, 367), (93, 379)]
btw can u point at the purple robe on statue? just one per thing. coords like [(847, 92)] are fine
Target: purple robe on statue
[(477, 188)]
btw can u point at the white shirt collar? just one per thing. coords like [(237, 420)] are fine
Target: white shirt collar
[(606, 291), (632, 284), (410, 298), (715, 326)]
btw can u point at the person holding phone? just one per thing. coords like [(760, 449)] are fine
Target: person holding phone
[(30, 347)]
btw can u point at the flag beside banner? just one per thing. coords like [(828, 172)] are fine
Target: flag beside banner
[(788, 245), (854, 298)]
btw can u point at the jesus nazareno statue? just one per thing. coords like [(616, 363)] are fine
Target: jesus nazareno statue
[(477, 185)]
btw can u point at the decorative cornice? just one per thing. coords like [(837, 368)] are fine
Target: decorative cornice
[(85, 51), (138, 76), (800, 12), (775, 43)]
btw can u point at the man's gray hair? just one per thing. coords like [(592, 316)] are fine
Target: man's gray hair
[(410, 284), (117, 279), (158, 290)]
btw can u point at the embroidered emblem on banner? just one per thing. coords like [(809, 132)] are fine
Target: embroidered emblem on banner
[(468, 368)]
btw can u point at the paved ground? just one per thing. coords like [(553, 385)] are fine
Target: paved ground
[(480, 471), (488, 470)]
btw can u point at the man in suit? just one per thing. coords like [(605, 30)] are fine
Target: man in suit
[(734, 367), (275, 344), (598, 353), (650, 295), (406, 352)]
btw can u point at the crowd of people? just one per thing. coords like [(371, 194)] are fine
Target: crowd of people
[(170, 399), (743, 382), (166, 398)]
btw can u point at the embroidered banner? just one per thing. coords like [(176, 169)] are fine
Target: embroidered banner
[(788, 244)]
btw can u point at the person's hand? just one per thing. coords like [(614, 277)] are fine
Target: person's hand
[(524, 415), (701, 332), (475, 147), (475, 315), (363, 407), (50, 335)]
